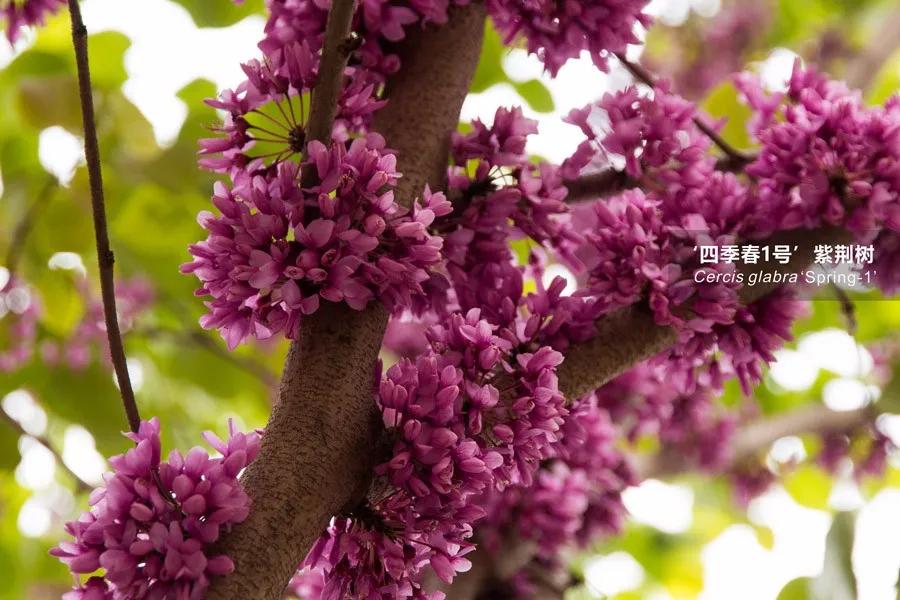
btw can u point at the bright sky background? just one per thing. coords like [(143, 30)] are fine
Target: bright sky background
[(168, 51)]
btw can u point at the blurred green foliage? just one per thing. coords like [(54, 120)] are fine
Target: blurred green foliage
[(154, 194)]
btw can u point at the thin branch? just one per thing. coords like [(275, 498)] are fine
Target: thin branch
[(81, 484), (324, 100), (335, 53), (757, 436), (736, 156), (601, 184), (105, 257), (848, 309), (609, 182), (879, 47), (24, 227), (631, 335)]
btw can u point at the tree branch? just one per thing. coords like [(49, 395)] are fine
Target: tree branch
[(319, 449), (609, 182), (757, 436), (80, 484), (425, 98), (737, 157), (600, 184), (105, 257), (630, 335), (330, 79)]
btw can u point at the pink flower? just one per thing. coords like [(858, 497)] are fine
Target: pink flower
[(277, 250), (558, 31), (26, 13), (152, 525)]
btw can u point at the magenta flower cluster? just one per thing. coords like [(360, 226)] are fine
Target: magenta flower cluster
[(152, 526), (26, 13), (469, 416), (21, 308), (279, 248), (558, 31), (290, 236), (478, 430), (266, 115), (576, 495), (643, 244), (826, 158), (506, 196), (661, 398)]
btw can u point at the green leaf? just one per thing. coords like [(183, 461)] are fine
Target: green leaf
[(220, 13), (809, 486), (765, 536), (490, 65), (723, 103), (126, 129), (38, 63), (107, 59), (9, 447), (887, 82), (61, 304), (536, 94)]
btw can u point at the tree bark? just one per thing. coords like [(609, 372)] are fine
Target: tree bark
[(318, 451), (631, 335), (425, 97)]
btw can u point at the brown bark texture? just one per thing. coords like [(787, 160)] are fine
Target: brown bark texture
[(319, 448)]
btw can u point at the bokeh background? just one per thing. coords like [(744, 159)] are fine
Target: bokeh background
[(155, 61)]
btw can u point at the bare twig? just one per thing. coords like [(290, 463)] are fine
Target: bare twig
[(81, 484), (105, 257), (848, 309), (609, 182), (323, 105), (737, 157), (331, 71), (598, 185)]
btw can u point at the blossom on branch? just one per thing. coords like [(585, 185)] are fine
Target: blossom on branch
[(152, 525), (279, 248), (558, 31)]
